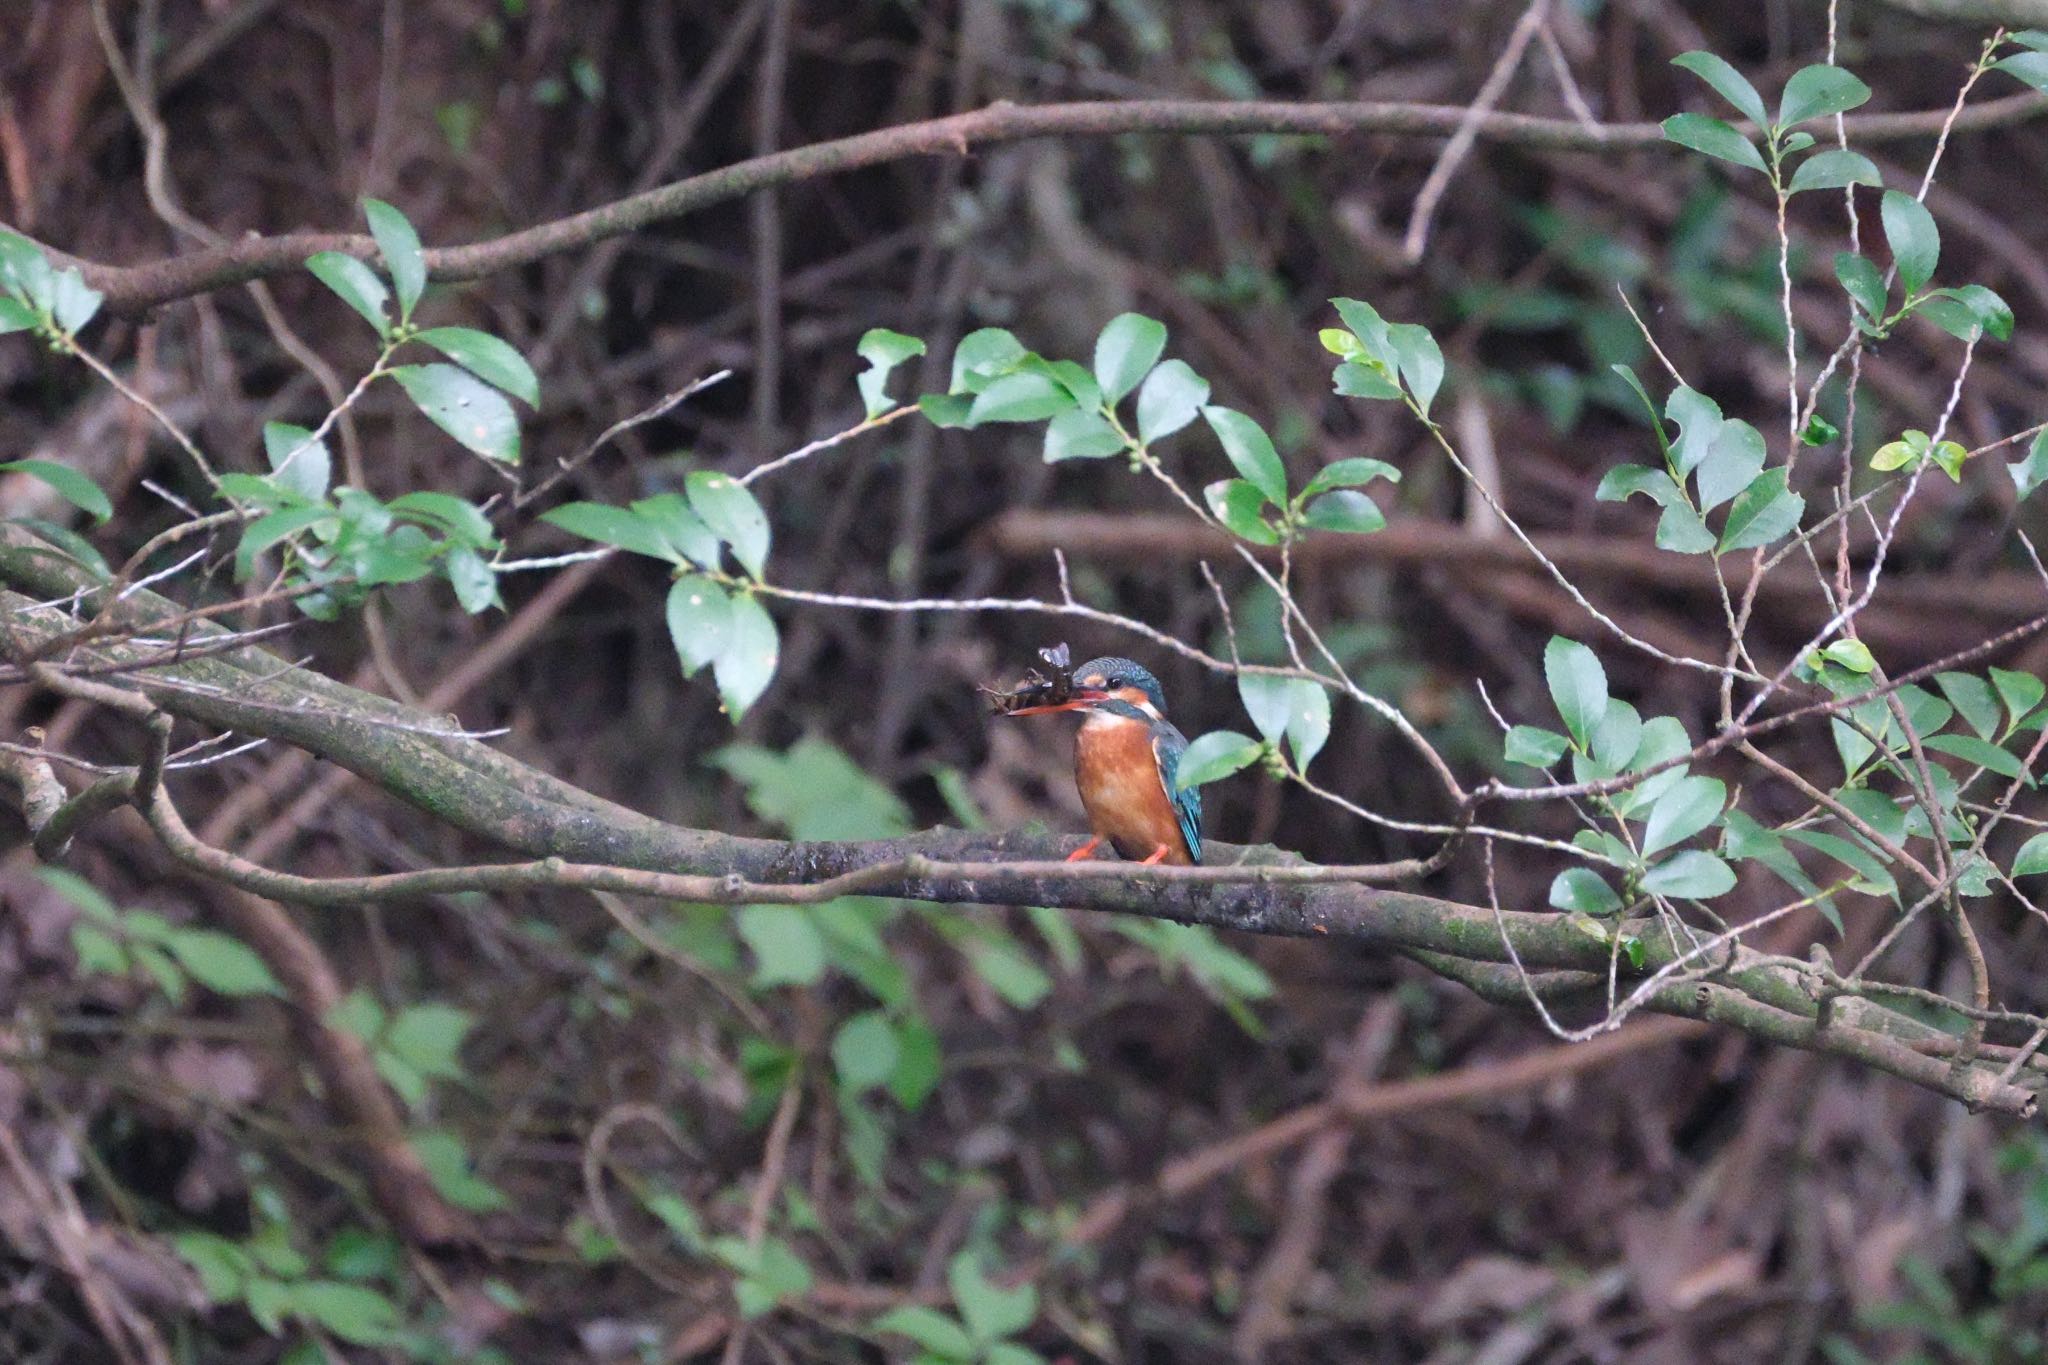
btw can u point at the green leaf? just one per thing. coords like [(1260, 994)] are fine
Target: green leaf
[(1578, 685), (1732, 465), (1981, 752), (1973, 698), (918, 1065), (865, 1051), (1369, 327), (465, 407), (747, 664), (1421, 361), (991, 1312), (787, 948), (297, 461), (1126, 352), (1349, 473), (356, 283), (222, 963), (2032, 472), (25, 270), (1363, 379), (2031, 67), (1268, 700), (1834, 169), (75, 488), (1241, 507), (1170, 398), (266, 531), (448, 1167), (1817, 91), (1345, 509), (1534, 747), (474, 581), (98, 952), (725, 505), (356, 1313), (1009, 972), (2021, 693), (1699, 421), (1871, 876), (1250, 450), (462, 521), (929, 1328), (610, 525), (946, 410), (1691, 875), (981, 356), (16, 316), (699, 621), (1915, 241), (488, 358), (1853, 655), (2032, 859), (682, 530), (1308, 721), (429, 1037), (1864, 285), (1691, 805), (1021, 397), (1761, 513), (1077, 434), (1214, 756), (401, 248), (1624, 481), (1728, 83), (1819, 432), (1715, 138), (1584, 890), (883, 350), (1616, 737), (73, 303)]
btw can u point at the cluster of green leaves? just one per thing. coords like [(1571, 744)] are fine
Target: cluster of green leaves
[(2001, 1319), (1966, 312), (1812, 92), (343, 542), (715, 616), (1607, 737), (1294, 710), (994, 379), (279, 1284), (466, 399), (113, 941), (978, 1332), (1723, 460), (37, 297)]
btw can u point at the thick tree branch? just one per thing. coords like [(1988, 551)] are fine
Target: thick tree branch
[(581, 840), (131, 289)]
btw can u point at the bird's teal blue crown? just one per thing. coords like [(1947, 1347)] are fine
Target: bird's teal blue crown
[(1119, 673)]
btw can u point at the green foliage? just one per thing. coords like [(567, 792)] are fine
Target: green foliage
[(1722, 458), (75, 488), (2001, 1321), (714, 617), (111, 941), (36, 297), (412, 1047)]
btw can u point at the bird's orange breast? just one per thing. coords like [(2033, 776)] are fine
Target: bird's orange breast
[(1127, 804)]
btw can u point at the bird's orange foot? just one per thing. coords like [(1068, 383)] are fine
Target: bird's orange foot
[(1081, 854), (1157, 856)]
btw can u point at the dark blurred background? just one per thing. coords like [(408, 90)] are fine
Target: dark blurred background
[(1694, 1198)]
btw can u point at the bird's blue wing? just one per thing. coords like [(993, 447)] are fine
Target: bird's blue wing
[(1168, 744)]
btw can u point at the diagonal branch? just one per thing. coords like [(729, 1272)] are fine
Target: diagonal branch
[(134, 289)]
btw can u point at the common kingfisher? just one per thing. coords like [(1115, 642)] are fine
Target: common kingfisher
[(1125, 758)]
